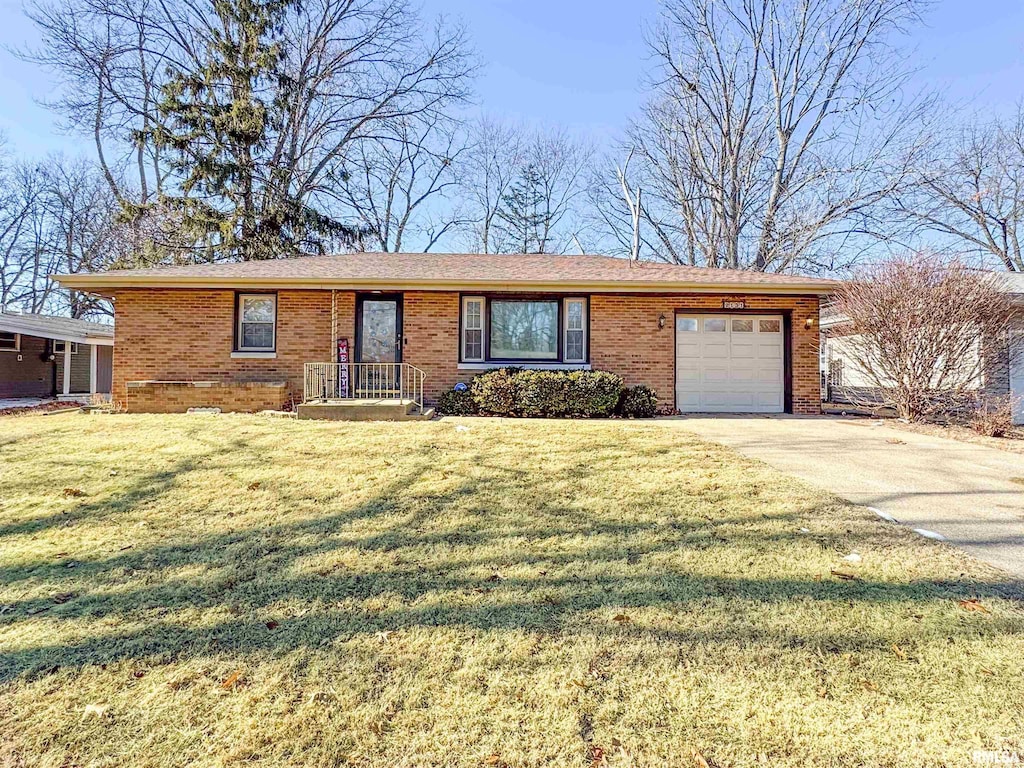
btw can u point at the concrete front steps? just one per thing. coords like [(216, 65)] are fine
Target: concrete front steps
[(363, 410)]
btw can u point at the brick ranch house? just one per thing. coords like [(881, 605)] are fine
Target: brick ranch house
[(239, 336)]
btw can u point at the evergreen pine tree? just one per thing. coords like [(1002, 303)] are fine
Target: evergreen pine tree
[(218, 120)]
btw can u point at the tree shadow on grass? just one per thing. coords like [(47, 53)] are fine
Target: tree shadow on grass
[(496, 572)]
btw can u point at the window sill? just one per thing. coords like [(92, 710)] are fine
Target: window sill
[(526, 366), (254, 355)]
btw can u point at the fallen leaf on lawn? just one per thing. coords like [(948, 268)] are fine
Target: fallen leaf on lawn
[(63, 597), (272, 624), (62, 554), (900, 653), (973, 604), (254, 486), (126, 547), (494, 577), (987, 671), (138, 674), (699, 759), (494, 759), (95, 710), (578, 684), (596, 756), (868, 685), (845, 576), (621, 618), (233, 680), (74, 492)]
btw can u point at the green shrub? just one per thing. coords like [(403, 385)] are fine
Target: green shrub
[(542, 393), (638, 402), (553, 394), (456, 402), (592, 394), (497, 392)]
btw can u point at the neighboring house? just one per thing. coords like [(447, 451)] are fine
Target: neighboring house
[(45, 355), (843, 382), (239, 336)]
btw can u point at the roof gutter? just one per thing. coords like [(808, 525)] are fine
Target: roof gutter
[(106, 281), (77, 338)]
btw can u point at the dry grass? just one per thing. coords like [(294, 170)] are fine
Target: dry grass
[(235, 590), (1013, 441)]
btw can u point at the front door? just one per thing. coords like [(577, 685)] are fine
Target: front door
[(378, 344)]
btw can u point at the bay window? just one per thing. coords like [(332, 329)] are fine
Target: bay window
[(538, 330)]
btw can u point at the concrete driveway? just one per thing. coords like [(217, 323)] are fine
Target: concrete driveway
[(970, 494)]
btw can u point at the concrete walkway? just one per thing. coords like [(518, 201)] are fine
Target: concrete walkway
[(970, 494)]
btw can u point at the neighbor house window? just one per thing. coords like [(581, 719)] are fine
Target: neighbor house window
[(524, 330), (58, 347), (503, 329), (257, 322), (575, 330), (9, 342), (473, 328)]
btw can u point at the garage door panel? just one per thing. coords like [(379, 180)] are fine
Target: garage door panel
[(769, 376), (724, 366), (715, 374), (688, 349), (688, 375), (716, 351)]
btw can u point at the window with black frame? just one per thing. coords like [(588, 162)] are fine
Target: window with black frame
[(539, 330)]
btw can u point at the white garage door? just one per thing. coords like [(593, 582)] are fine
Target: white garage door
[(729, 363)]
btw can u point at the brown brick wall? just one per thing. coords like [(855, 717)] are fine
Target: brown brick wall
[(179, 397), (431, 329), (185, 335), (625, 338), (188, 335)]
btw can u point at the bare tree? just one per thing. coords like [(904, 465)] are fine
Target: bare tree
[(922, 331), (774, 128), (58, 215), (970, 190), (490, 167), (401, 186), (349, 70), (526, 189)]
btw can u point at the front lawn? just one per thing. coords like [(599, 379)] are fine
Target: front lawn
[(238, 590)]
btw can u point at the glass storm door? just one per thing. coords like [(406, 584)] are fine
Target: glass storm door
[(379, 319)]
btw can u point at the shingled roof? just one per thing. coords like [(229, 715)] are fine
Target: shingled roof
[(56, 327), (439, 271)]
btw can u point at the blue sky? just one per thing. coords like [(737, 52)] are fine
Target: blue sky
[(581, 64)]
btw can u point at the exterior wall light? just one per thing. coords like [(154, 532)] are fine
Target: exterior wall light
[(809, 323), (661, 321)]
